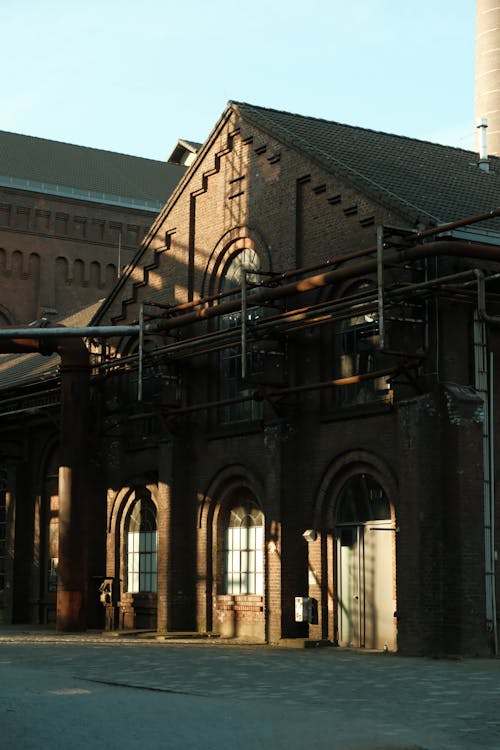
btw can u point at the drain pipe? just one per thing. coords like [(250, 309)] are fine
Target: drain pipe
[(72, 584), (484, 384)]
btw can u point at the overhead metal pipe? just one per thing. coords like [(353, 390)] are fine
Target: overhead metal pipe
[(60, 332), (71, 615), (459, 248), (344, 258)]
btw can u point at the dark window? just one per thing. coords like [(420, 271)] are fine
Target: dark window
[(356, 354), (231, 382)]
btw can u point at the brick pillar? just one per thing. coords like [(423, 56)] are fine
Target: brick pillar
[(419, 517), (273, 534), (318, 584), (464, 609), (165, 561)]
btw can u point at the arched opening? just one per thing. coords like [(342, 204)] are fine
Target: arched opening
[(239, 571), (142, 542), (365, 580), (243, 551), (139, 564)]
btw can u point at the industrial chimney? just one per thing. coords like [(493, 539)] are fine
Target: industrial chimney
[(488, 70)]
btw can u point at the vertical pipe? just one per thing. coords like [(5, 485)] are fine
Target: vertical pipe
[(482, 380), (140, 361), (361, 624), (119, 255), (380, 285), (243, 324), (72, 570), (492, 502)]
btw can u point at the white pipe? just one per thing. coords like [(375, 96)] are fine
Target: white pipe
[(380, 286), (492, 502)]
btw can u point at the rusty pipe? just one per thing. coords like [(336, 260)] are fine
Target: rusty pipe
[(341, 259), (458, 248), (71, 613)]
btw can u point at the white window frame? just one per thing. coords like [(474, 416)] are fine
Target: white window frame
[(142, 549), (244, 552)]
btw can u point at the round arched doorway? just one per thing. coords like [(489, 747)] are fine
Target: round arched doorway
[(365, 585)]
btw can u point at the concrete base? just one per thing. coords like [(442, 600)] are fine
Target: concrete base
[(303, 643)]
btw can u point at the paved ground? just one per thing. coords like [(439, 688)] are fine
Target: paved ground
[(101, 692)]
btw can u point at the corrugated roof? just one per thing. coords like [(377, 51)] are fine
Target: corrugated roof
[(428, 181), (42, 161)]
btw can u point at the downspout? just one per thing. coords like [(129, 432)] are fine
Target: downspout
[(380, 286), (72, 583), (484, 384)]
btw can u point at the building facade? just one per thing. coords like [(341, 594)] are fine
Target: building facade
[(297, 439), (69, 217)]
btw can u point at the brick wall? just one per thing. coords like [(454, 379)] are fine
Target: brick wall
[(57, 255)]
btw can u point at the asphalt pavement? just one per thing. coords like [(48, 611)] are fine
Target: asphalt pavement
[(96, 691)]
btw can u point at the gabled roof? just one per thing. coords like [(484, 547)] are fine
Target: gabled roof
[(428, 181), (53, 167)]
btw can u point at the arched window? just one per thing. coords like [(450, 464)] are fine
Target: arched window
[(244, 550), (240, 269), (142, 542), (362, 499)]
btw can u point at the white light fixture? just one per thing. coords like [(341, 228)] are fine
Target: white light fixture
[(310, 535)]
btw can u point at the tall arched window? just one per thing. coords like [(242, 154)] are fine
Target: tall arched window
[(240, 268), (244, 550), (142, 542)]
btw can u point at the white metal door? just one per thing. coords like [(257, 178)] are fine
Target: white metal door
[(365, 585)]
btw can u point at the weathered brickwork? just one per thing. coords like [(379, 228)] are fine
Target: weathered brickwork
[(58, 255), (410, 576)]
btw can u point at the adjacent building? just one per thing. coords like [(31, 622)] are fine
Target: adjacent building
[(70, 217)]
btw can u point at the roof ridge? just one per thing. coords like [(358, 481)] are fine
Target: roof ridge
[(355, 127), (350, 172)]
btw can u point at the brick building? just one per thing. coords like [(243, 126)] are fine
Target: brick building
[(301, 405), (68, 216)]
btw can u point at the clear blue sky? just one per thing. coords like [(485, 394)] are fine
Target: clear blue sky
[(135, 76)]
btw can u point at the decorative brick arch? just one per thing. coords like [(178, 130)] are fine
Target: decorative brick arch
[(238, 238), (119, 506), (221, 490), (127, 606), (343, 468), (323, 550), (5, 316), (123, 499)]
